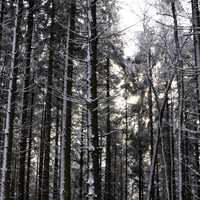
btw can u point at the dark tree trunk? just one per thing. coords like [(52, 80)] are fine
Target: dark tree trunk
[(196, 37), (126, 143), (1, 25), (167, 152), (108, 193), (41, 155), (48, 121), (180, 84), (8, 139), (115, 172), (150, 113), (56, 161), (173, 178), (81, 158), (68, 132), (94, 103), (25, 107), (1, 84), (30, 138)]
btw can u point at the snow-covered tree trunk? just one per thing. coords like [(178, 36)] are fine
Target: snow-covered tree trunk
[(10, 113)]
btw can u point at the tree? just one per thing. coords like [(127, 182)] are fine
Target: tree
[(25, 109), (11, 107)]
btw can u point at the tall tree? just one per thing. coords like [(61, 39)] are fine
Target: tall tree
[(67, 105), (48, 119), (25, 119), (94, 177), (108, 193), (196, 38), (11, 106), (180, 82)]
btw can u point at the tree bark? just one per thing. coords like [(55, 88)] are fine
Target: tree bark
[(196, 38), (11, 107), (48, 121), (81, 158), (30, 138), (94, 177), (180, 81), (67, 105), (26, 93), (108, 193), (56, 161), (41, 155)]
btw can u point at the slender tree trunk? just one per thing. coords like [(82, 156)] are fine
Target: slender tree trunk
[(41, 155), (67, 104), (81, 158), (121, 175), (94, 177), (48, 121), (173, 177), (1, 26), (166, 152), (150, 112), (140, 151), (157, 183), (115, 172), (11, 105), (187, 184), (30, 138), (25, 107), (196, 25), (1, 81), (180, 80), (126, 143), (108, 193), (157, 138), (56, 167), (140, 163)]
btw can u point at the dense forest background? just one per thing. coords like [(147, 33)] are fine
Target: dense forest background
[(79, 120)]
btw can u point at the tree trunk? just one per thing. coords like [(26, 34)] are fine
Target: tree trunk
[(48, 121), (1, 86), (67, 106), (196, 25), (30, 138), (126, 142), (150, 113), (11, 106), (26, 93), (56, 161), (94, 177), (81, 158), (108, 193), (41, 155), (180, 81)]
